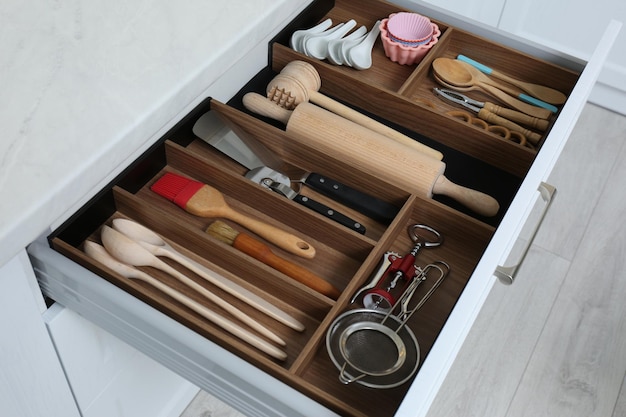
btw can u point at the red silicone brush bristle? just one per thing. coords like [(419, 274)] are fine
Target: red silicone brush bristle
[(176, 188)]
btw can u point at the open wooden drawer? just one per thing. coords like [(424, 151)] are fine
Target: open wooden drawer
[(400, 96)]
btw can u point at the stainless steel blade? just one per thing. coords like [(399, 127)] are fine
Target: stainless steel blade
[(212, 130)]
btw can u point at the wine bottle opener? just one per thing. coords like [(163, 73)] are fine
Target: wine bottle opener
[(397, 273)]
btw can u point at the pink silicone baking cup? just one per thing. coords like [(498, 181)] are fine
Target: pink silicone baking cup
[(403, 54), (410, 28)]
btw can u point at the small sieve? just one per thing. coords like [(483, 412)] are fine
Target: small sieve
[(376, 348), (373, 348)]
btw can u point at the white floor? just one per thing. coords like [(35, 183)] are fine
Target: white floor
[(554, 343)]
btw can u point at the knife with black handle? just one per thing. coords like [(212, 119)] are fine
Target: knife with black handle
[(364, 203), (307, 202), (330, 213)]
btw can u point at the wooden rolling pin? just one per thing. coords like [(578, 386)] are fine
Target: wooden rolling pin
[(299, 82), (370, 151)]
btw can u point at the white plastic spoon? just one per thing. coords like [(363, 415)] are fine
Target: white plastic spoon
[(132, 253), (317, 46), (156, 245), (298, 36), (99, 253), (335, 46), (308, 36), (345, 48), (361, 55)]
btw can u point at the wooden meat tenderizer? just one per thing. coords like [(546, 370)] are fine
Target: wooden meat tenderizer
[(260, 251), (392, 162), (300, 82)]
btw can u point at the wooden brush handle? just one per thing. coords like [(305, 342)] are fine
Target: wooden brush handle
[(279, 237), (260, 251)]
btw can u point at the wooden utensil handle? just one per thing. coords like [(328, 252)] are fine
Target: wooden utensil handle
[(223, 304), (493, 118), (542, 92), (236, 290), (263, 253), (516, 116), (361, 119), (515, 103), (217, 319), (279, 237)]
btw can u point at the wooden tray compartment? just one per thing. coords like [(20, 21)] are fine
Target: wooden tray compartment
[(403, 94), (344, 257), (387, 92)]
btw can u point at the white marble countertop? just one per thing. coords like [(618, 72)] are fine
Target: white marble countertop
[(87, 86)]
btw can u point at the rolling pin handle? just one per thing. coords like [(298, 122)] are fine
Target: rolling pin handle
[(480, 203)]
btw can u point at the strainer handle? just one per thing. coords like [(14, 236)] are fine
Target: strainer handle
[(344, 378)]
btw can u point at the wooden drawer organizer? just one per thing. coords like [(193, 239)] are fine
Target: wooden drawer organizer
[(402, 96)]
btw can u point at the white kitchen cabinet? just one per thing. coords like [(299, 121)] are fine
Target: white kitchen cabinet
[(32, 382), (572, 27), (110, 378), (56, 363)]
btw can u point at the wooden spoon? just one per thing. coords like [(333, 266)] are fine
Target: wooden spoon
[(99, 253), (132, 253), (507, 88), (547, 94), (156, 245), (456, 73)]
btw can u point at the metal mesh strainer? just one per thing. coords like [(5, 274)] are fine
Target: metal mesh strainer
[(371, 352), (376, 348)]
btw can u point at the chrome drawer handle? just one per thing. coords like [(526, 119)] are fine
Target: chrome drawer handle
[(506, 274)]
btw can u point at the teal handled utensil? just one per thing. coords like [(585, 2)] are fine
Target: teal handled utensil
[(486, 112), (510, 89), (539, 92), (459, 75)]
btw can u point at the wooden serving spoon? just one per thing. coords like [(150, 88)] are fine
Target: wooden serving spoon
[(99, 253), (132, 253), (456, 73), (156, 245), (547, 94)]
